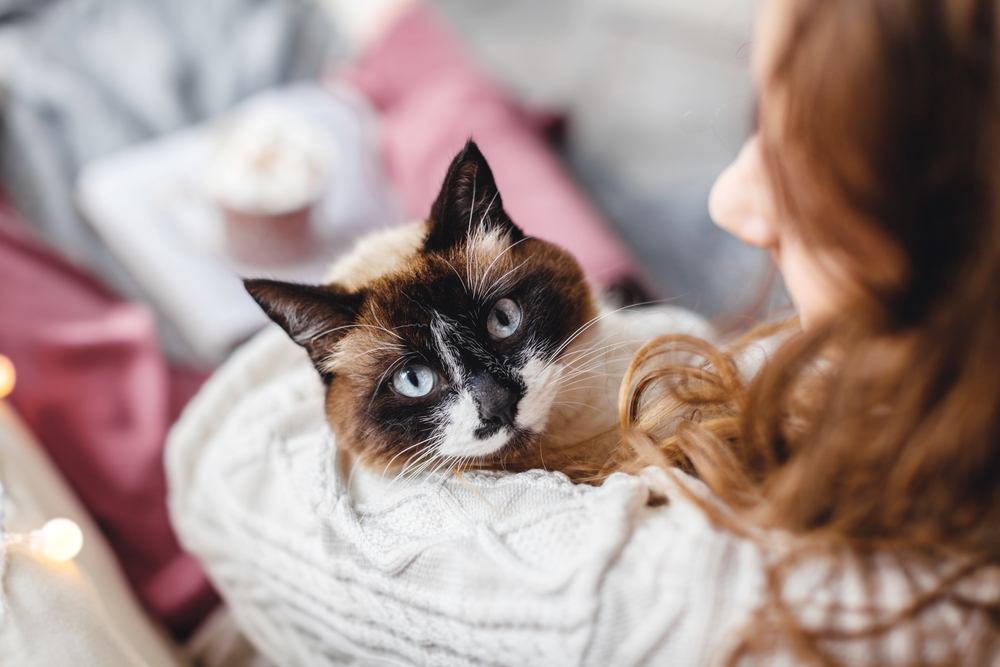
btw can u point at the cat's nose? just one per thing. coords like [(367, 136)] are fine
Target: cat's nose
[(497, 403)]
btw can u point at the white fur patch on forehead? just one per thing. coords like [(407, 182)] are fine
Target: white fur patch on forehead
[(486, 258), (460, 420), (541, 381), (439, 330), (489, 242)]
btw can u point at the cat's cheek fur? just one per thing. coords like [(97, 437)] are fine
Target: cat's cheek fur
[(460, 421), (541, 382)]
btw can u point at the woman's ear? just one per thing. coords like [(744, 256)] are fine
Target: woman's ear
[(469, 201), (314, 316)]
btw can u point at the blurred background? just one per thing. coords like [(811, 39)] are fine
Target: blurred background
[(643, 102), (659, 100), (152, 152)]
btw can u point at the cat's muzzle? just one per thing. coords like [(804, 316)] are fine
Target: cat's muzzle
[(496, 401)]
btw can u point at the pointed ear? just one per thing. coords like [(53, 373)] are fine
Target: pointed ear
[(315, 317), (469, 200)]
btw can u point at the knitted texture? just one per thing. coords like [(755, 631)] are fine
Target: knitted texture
[(322, 564)]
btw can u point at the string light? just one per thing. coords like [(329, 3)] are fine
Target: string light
[(7, 376), (58, 540)]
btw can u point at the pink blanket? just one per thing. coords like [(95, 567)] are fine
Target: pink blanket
[(95, 389)]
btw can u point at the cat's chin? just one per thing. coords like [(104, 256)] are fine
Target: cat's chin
[(491, 444), (518, 443)]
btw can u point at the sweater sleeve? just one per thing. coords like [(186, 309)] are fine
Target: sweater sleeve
[(325, 563)]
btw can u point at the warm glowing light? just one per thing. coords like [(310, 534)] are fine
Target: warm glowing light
[(59, 540), (7, 376)]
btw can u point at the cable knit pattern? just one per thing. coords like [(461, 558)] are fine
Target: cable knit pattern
[(323, 565)]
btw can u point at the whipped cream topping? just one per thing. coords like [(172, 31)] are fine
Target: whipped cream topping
[(269, 160)]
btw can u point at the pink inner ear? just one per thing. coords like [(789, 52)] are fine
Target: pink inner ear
[(314, 316)]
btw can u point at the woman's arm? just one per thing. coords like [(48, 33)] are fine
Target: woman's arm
[(320, 562)]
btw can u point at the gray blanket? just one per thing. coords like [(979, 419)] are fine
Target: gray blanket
[(81, 78)]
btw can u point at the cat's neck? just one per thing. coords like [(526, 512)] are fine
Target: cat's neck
[(581, 434), (592, 368)]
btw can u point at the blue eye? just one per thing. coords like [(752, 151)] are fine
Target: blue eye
[(504, 319), (414, 380)]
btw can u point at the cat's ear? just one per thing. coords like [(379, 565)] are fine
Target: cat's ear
[(469, 200), (315, 317)]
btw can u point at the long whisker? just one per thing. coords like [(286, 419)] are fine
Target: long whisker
[(591, 364), (476, 283), (566, 402), (587, 325), (352, 326), (592, 378), (465, 287), (389, 347), (587, 353), (403, 451), (499, 284), (423, 469), (485, 274), (468, 232), (383, 327), (414, 464)]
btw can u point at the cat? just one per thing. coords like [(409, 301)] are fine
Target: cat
[(462, 343)]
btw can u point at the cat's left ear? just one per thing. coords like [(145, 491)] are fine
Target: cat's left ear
[(469, 200), (314, 316)]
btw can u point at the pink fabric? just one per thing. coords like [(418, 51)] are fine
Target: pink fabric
[(431, 98), (94, 388)]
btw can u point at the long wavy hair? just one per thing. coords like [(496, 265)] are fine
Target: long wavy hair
[(877, 433)]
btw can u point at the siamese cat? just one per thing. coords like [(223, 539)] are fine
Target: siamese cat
[(460, 342)]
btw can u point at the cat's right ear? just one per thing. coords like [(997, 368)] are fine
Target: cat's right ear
[(314, 316), (469, 200)]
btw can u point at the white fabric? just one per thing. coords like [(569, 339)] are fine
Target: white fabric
[(483, 569), (322, 565)]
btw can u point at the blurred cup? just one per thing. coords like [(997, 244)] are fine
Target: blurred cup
[(269, 169)]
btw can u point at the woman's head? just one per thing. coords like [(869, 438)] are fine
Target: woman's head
[(873, 179), (873, 173)]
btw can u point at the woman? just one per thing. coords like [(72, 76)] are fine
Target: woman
[(842, 506), (872, 179)]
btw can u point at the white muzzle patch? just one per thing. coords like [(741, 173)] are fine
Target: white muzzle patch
[(461, 421)]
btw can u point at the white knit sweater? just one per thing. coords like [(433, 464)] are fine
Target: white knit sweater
[(326, 566)]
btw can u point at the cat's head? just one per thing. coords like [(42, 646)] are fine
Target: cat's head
[(447, 357)]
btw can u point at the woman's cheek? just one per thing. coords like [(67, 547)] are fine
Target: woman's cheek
[(808, 282)]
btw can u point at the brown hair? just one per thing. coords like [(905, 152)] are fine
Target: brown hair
[(878, 434)]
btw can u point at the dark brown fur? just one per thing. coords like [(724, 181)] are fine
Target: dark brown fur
[(357, 334)]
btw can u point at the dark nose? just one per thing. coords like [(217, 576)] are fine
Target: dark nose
[(497, 403)]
